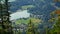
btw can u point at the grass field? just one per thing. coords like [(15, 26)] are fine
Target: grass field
[(33, 20)]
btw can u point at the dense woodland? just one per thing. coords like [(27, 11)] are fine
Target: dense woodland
[(29, 25)]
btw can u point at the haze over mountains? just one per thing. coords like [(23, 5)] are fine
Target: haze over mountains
[(19, 14)]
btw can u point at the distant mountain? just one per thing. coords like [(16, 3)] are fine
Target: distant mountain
[(18, 3), (40, 4), (42, 7)]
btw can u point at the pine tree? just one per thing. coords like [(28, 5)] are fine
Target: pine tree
[(30, 29), (56, 26), (5, 22)]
